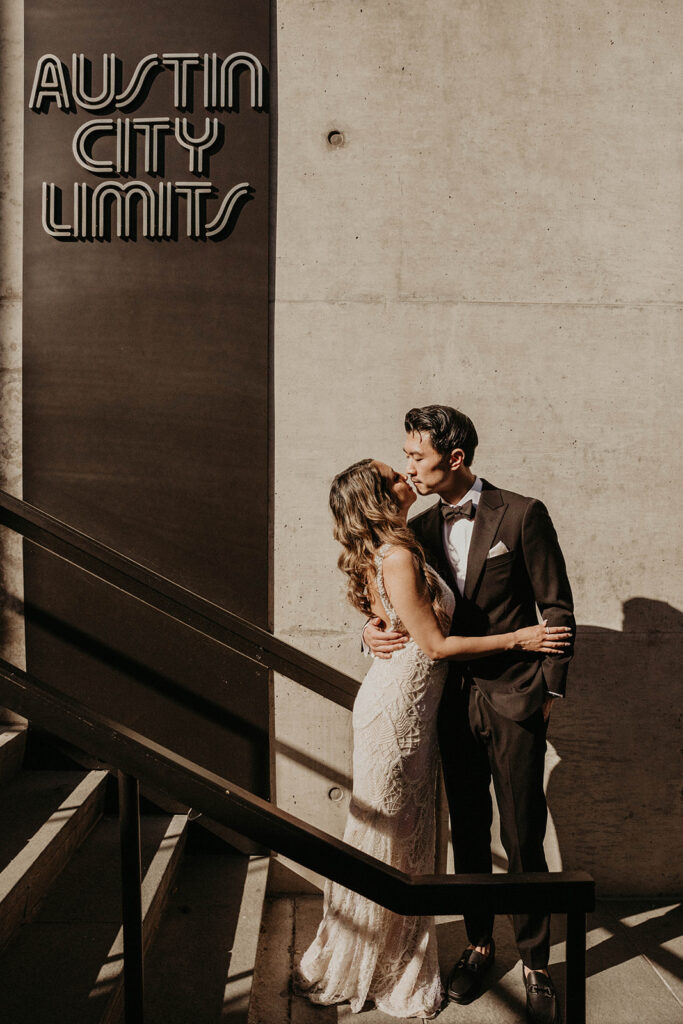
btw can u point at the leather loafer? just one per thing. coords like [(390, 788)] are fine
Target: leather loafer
[(541, 999), (465, 980)]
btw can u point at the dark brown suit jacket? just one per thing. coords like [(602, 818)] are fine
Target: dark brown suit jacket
[(501, 594)]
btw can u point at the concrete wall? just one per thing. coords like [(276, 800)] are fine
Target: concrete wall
[(11, 191), (499, 231)]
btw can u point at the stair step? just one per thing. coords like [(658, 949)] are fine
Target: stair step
[(288, 927), (66, 964), (12, 747), (271, 998), (200, 965), (239, 986), (45, 816), (157, 883)]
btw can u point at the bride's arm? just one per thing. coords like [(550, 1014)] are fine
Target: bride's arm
[(407, 591)]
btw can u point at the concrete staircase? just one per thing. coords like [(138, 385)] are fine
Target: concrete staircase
[(223, 930), (60, 909)]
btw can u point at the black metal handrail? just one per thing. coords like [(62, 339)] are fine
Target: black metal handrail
[(139, 758), (571, 893), (179, 603), (224, 801)]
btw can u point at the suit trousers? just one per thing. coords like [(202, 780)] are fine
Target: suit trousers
[(477, 745)]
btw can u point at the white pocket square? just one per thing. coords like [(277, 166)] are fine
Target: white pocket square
[(498, 549)]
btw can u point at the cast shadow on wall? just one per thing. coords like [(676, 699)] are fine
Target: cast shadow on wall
[(613, 743), (612, 793)]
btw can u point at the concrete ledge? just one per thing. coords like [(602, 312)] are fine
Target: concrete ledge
[(156, 886), (239, 986), (12, 746), (30, 873), (271, 999), (200, 965)]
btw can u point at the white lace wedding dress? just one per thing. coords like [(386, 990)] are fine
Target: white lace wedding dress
[(362, 951)]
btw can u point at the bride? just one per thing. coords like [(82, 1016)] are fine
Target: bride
[(363, 951)]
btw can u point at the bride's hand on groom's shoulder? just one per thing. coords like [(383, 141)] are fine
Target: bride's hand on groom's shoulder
[(383, 642)]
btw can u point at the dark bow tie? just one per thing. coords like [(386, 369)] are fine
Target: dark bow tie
[(451, 512)]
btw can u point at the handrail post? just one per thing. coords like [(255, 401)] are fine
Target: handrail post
[(575, 994), (131, 898)]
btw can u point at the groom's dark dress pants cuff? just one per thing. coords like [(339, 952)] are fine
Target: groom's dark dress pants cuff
[(478, 744)]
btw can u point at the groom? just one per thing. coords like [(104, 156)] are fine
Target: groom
[(499, 553)]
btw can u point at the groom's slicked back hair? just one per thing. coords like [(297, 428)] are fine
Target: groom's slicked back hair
[(447, 427)]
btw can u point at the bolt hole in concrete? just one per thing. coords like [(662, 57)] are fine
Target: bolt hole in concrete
[(336, 794), (335, 137)]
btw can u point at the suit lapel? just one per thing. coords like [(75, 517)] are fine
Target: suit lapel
[(431, 536), (490, 511)]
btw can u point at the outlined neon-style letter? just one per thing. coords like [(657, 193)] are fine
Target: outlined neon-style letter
[(106, 97), (229, 69), (197, 147), (164, 228), (152, 127), (49, 213), (129, 95), (220, 221), (101, 125), (80, 210), (210, 81), (123, 147), (123, 197), (193, 191), (49, 83), (180, 62)]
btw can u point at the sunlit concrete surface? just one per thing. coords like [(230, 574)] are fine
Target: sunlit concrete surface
[(634, 963), (500, 231)]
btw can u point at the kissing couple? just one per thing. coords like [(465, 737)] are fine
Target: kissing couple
[(462, 669)]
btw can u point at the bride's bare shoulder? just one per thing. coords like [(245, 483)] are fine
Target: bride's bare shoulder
[(398, 558)]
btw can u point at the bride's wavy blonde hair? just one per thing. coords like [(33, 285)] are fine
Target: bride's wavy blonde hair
[(366, 516)]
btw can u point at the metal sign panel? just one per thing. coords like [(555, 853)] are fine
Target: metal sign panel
[(146, 351)]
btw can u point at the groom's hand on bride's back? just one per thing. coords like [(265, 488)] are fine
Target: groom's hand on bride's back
[(383, 642)]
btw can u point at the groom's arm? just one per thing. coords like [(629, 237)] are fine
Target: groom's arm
[(379, 642), (552, 591)]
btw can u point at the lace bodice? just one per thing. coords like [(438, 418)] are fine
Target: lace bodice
[(394, 621)]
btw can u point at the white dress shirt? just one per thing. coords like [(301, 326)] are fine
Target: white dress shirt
[(457, 536)]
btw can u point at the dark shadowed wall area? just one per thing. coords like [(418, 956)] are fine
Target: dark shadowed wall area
[(145, 383)]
